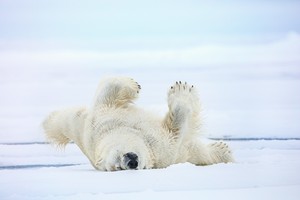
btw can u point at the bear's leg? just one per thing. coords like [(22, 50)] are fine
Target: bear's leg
[(207, 154), (183, 117), (116, 92), (65, 125)]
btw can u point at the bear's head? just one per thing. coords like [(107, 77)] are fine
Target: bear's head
[(124, 151)]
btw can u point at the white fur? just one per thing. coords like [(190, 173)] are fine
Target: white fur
[(113, 126)]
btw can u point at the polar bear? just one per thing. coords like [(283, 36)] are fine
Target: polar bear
[(115, 134)]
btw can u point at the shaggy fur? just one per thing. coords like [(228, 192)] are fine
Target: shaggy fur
[(113, 127)]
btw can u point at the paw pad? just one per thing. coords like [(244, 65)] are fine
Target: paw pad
[(181, 86)]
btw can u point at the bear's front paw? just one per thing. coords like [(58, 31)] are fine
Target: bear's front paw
[(132, 84), (183, 92), (181, 88)]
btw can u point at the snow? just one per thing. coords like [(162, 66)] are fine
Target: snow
[(263, 170)]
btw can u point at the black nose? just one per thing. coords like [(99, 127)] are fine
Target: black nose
[(131, 160)]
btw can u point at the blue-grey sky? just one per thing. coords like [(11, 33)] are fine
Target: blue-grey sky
[(83, 24)]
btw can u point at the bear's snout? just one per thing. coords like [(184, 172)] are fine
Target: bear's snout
[(131, 160)]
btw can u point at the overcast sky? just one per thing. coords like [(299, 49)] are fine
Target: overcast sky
[(95, 23)]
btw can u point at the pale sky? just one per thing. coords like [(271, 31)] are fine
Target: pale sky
[(122, 24)]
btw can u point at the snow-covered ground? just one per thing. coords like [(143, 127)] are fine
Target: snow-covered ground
[(263, 170)]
